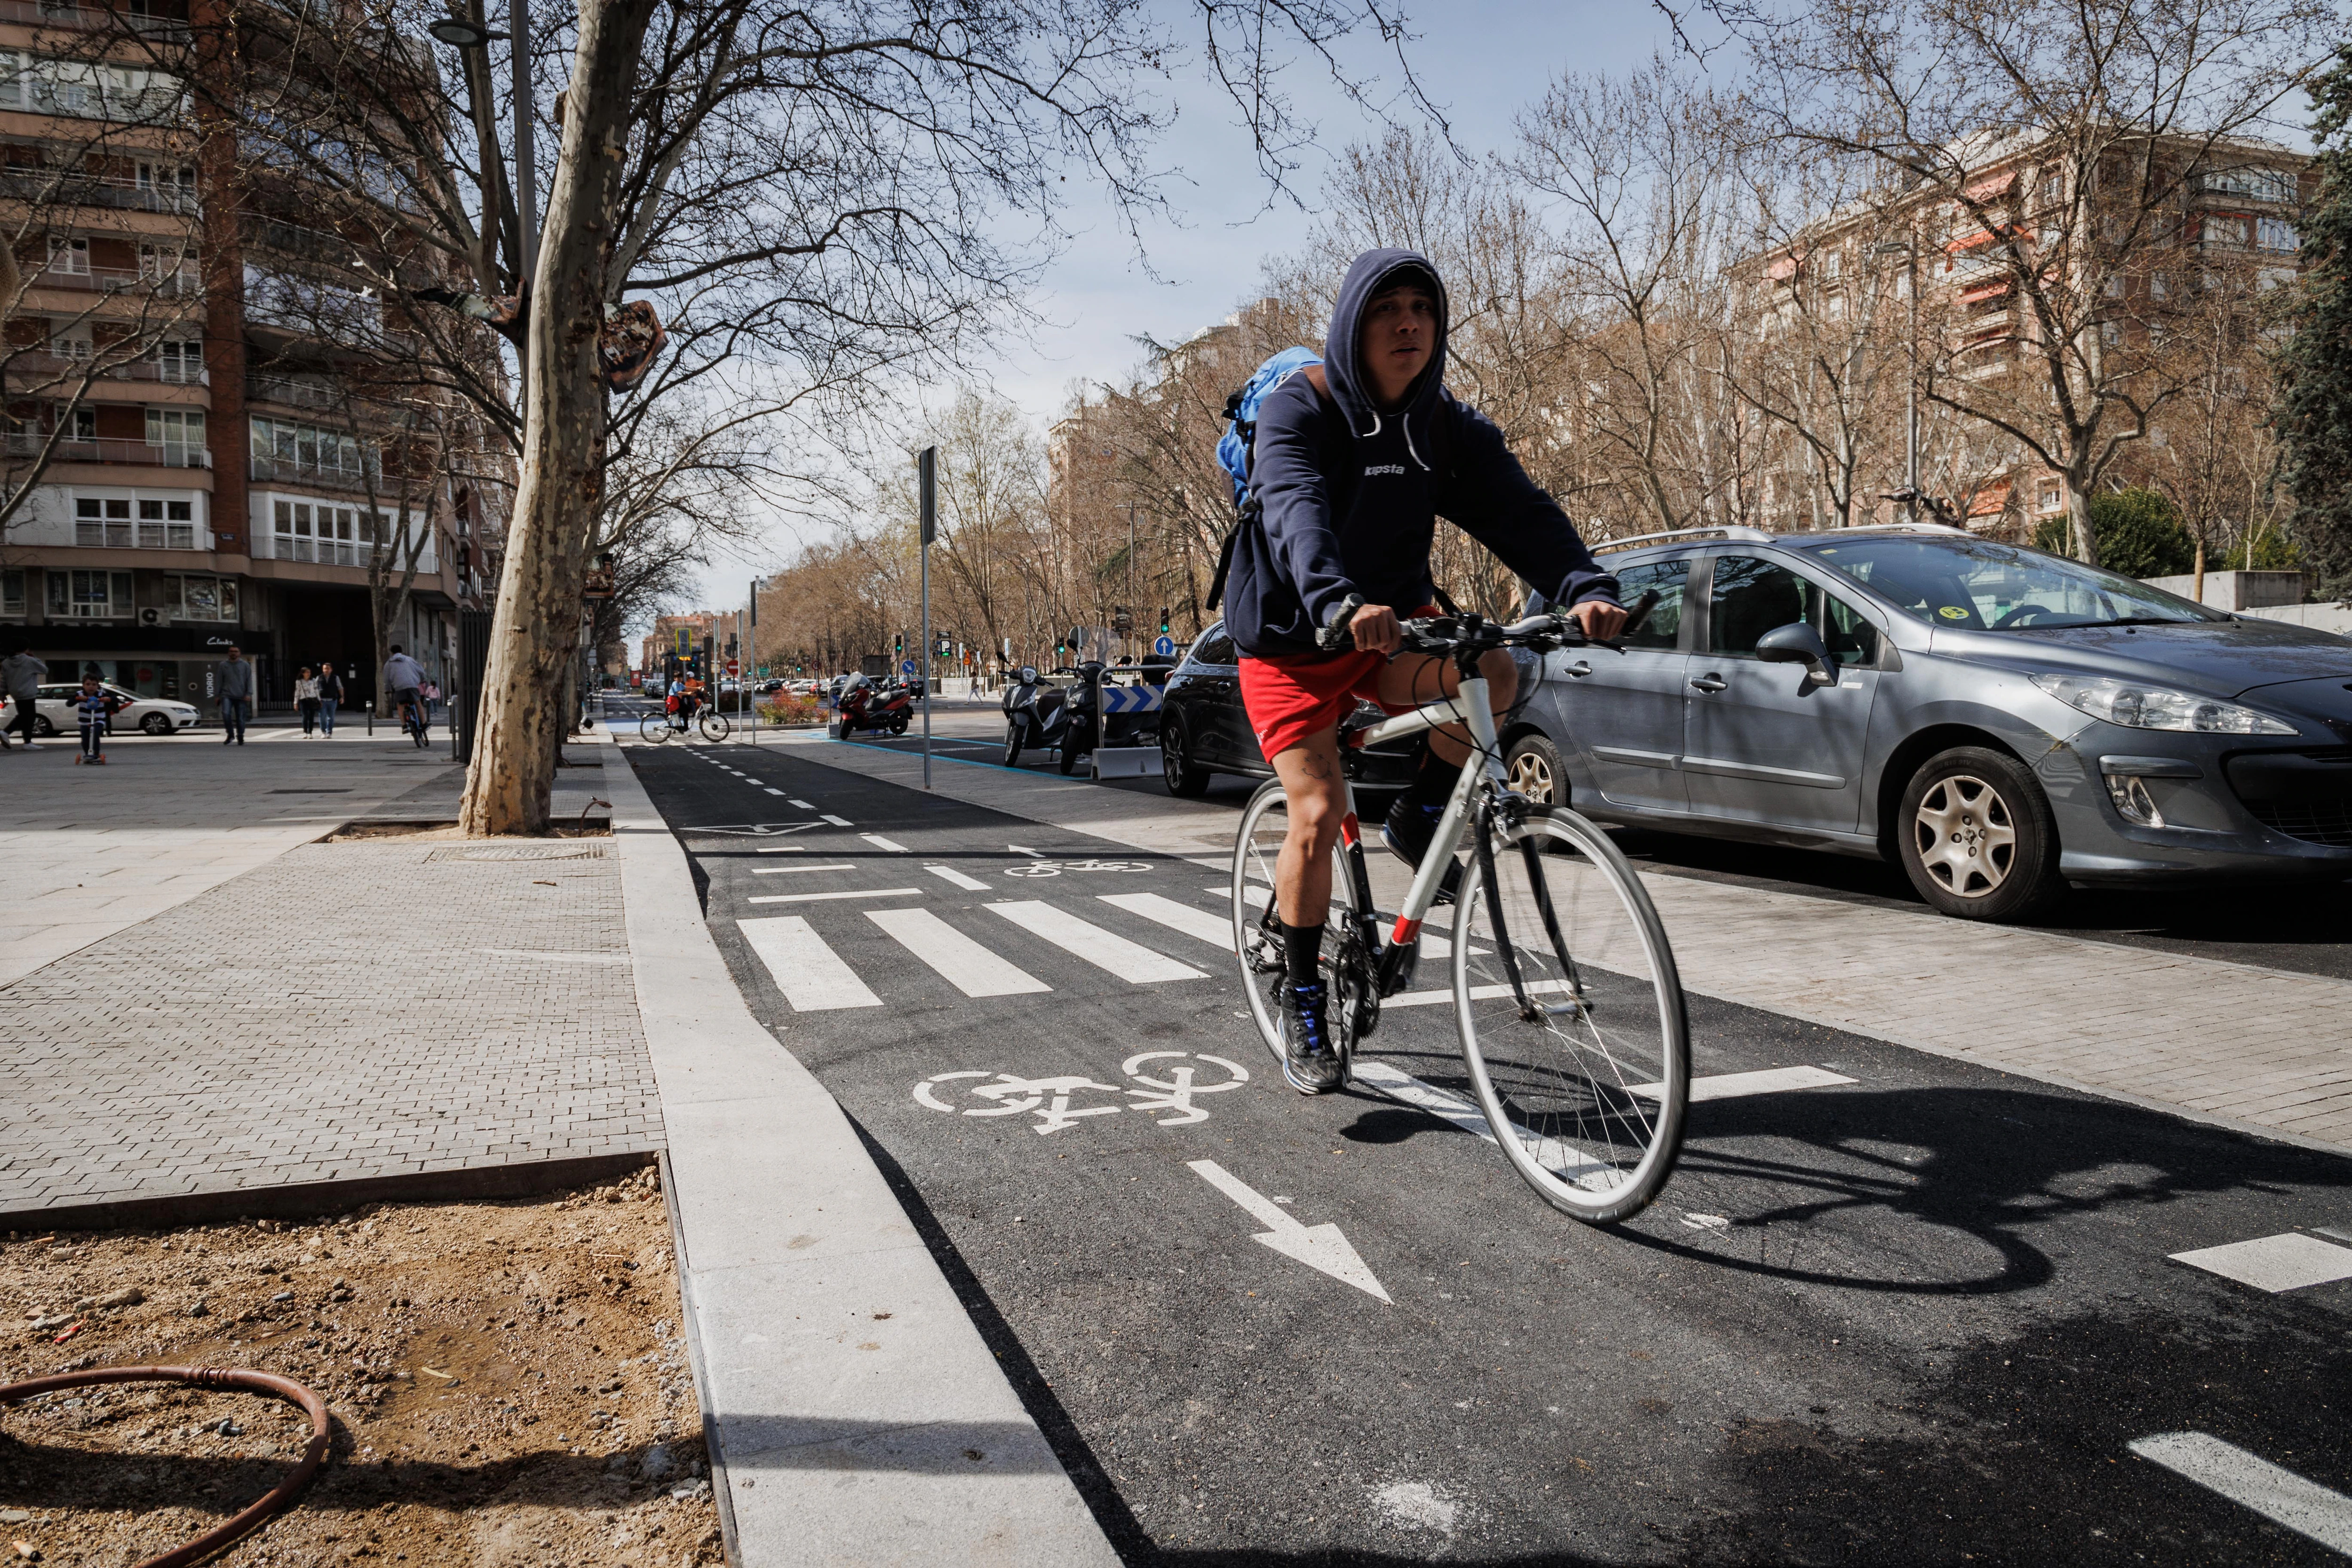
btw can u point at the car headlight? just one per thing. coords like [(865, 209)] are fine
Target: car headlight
[(2136, 707)]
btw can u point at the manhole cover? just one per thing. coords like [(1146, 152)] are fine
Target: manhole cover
[(517, 852)]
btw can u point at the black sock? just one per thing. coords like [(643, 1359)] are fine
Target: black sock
[(1302, 946), (1434, 783)]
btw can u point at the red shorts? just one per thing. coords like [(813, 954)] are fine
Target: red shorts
[(1293, 696)]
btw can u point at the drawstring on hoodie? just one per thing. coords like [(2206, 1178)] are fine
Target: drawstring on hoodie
[(1404, 423)]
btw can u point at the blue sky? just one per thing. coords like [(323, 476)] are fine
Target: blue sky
[(1480, 61)]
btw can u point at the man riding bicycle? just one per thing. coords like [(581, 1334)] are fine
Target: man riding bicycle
[(404, 678), (1354, 461)]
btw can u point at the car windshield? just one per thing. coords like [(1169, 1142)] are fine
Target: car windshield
[(1978, 585)]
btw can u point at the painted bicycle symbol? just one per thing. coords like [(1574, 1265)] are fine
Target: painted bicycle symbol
[(1061, 1102), (1056, 867)]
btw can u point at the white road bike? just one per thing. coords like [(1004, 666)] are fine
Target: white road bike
[(1570, 1015)]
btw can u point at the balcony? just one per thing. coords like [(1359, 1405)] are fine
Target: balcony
[(44, 371), (293, 470), (142, 454), (184, 284), (72, 187), (291, 392), (356, 553), (92, 19)]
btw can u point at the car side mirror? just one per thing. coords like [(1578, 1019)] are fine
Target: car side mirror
[(1797, 643)]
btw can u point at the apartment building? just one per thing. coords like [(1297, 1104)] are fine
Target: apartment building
[(225, 466), (2157, 255)]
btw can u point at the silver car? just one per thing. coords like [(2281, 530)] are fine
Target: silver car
[(2000, 722)]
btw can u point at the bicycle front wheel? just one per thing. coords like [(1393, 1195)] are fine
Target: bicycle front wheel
[(654, 728), (715, 726), (1572, 1020)]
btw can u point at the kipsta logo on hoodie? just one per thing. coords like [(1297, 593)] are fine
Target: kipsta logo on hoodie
[(1384, 468)]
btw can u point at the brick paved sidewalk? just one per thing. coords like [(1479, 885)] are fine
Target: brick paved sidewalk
[(344, 1012)]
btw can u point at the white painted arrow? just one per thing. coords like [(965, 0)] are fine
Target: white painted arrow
[(1024, 849), (1317, 1245)]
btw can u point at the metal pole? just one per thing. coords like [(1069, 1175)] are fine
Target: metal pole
[(927, 484), (1911, 395), (526, 150), (751, 624)]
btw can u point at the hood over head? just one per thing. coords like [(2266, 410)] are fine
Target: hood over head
[(1370, 273)]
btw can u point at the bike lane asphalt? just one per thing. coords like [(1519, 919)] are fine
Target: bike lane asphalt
[(1926, 1309)]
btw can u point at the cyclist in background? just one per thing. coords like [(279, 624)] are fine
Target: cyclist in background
[(404, 678), (1356, 459)]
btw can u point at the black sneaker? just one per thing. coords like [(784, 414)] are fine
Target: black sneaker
[(1407, 832), (1308, 1060)]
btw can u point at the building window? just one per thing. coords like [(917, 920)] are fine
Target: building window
[(12, 594), (201, 598), (180, 433), (284, 450), (331, 535), (91, 595), (124, 522), (183, 362), (2262, 184), (71, 257), (2275, 234), (168, 187), (71, 341)]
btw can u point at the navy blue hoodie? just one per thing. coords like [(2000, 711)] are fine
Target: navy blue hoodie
[(1350, 495)]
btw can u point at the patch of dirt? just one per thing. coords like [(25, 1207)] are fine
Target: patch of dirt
[(448, 832), (506, 1379)]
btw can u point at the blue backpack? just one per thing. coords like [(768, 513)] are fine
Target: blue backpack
[(1238, 448)]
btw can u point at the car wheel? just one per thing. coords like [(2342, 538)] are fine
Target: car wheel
[(156, 724), (1185, 777), (42, 727), (1534, 768), (1976, 837)]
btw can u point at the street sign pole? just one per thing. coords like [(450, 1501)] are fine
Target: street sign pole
[(927, 484)]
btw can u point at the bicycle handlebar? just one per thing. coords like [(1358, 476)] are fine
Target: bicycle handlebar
[(1537, 634)]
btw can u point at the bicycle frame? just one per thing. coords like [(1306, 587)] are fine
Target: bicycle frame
[(1468, 708)]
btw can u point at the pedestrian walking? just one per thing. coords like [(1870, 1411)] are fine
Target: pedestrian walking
[(21, 674), (306, 700), (331, 697), (94, 706), (431, 692), (232, 680)]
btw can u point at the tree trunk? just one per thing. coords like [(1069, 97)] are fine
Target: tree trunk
[(535, 629), (2078, 525)]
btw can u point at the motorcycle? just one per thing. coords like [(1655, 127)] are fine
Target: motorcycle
[(865, 706), (1061, 719)]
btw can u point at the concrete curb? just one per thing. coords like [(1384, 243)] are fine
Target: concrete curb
[(854, 1413)]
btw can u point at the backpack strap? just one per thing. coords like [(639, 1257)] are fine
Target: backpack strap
[(1249, 511)]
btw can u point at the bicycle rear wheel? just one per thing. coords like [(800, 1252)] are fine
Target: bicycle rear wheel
[(714, 725), (1257, 932), (654, 728), (1582, 1058)]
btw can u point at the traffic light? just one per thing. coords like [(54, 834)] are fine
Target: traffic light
[(1163, 620), (941, 647), (898, 645)]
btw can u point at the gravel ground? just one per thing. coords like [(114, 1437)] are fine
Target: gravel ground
[(506, 1379)]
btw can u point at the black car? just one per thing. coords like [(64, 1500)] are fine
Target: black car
[(1205, 732)]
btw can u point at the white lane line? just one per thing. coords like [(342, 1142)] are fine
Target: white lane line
[(1406, 1089), (2274, 1263), (892, 845), (1187, 918), (1733, 1085), (1104, 950), (802, 804), (811, 976), (1254, 894), (747, 778), (851, 893), (950, 874), (772, 789), (784, 849), (836, 821), (2311, 1511), (794, 870), (1477, 994), (959, 961)]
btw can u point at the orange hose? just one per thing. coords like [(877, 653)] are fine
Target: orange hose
[(269, 1382)]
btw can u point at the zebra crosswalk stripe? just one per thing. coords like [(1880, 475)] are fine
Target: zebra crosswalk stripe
[(959, 961), (811, 976), (1104, 950), (1190, 919)]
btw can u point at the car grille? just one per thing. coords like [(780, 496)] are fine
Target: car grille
[(2315, 821)]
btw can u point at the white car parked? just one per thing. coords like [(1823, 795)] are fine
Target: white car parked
[(53, 711)]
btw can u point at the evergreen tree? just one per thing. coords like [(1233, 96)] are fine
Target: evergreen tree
[(2139, 532), (2313, 413)]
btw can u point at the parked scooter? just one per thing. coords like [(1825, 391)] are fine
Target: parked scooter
[(865, 706), (1061, 719)]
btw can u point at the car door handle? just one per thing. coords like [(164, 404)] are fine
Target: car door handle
[(1709, 683), (1579, 669)]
